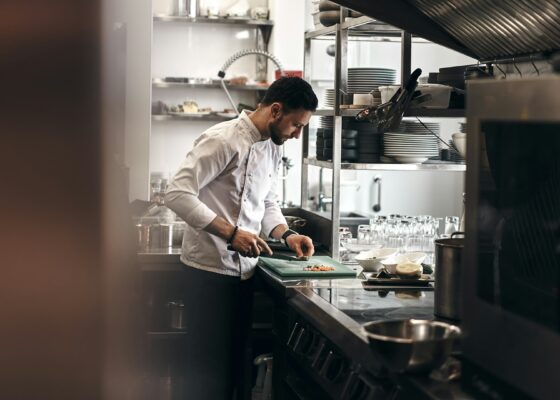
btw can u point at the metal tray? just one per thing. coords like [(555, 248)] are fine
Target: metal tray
[(425, 280)]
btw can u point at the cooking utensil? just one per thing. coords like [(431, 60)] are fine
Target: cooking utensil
[(278, 256), (447, 293), (411, 345)]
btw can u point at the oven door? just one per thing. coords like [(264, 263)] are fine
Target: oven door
[(512, 272)]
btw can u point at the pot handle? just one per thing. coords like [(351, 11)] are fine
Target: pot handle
[(457, 234)]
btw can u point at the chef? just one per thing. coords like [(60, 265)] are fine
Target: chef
[(225, 191)]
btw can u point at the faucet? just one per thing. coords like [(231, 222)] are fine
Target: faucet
[(238, 55), (322, 199)]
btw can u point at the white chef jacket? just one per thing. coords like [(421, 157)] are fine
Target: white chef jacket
[(230, 172)]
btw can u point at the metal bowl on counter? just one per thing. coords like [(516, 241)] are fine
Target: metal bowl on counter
[(411, 345)]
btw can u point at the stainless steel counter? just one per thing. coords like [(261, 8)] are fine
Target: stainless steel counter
[(338, 307)]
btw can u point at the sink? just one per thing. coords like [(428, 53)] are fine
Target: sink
[(351, 214), (348, 219), (319, 223)]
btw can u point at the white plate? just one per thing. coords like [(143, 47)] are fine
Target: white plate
[(407, 159), (183, 114), (227, 115)]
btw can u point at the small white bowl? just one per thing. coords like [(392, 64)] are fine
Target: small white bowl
[(391, 263), (371, 260)]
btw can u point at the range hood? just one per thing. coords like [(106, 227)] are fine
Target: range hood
[(483, 29)]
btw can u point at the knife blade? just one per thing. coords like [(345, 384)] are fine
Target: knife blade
[(286, 257), (279, 256)]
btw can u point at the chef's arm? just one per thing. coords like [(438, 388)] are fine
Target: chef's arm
[(274, 225), (301, 244), (246, 243)]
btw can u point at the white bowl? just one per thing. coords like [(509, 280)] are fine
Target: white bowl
[(355, 247), (391, 263), (371, 260)]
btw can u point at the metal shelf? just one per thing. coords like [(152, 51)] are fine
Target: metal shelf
[(205, 20), (413, 112), (357, 27), (161, 83), (435, 113), (325, 112), (210, 117), (388, 167)]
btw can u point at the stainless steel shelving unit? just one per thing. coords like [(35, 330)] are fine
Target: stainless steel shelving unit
[(360, 28), (447, 167), (206, 20), (162, 83), (263, 29), (169, 117)]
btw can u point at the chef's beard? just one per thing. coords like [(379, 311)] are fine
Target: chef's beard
[(275, 135)]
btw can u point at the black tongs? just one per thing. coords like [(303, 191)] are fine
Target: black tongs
[(388, 116)]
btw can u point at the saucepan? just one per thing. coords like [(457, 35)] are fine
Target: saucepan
[(411, 345), (447, 293)]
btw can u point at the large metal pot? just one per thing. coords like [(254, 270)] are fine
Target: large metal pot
[(447, 292)]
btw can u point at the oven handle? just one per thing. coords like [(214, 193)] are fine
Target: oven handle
[(294, 330), (298, 340)]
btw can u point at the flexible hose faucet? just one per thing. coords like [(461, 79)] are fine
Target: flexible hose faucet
[(235, 57)]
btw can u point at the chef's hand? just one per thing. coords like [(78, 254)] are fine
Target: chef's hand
[(301, 244), (248, 244)]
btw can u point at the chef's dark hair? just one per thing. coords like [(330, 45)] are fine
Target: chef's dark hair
[(293, 92)]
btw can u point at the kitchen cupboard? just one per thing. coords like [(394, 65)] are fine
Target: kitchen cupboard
[(357, 29)]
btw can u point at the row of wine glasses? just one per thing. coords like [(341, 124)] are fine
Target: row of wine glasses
[(405, 233)]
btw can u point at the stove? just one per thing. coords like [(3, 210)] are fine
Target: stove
[(364, 305)]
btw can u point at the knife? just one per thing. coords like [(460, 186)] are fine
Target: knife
[(279, 256), (285, 257)]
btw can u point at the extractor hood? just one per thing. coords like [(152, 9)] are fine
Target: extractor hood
[(482, 29)]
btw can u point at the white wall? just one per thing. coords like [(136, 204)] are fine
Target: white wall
[(287, 43), (138, 19)]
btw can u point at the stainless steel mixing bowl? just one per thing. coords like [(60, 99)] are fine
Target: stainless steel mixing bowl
[(411, 345)]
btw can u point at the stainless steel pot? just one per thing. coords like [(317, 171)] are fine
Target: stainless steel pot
[(177, 315), (411, 345), (447, 292)]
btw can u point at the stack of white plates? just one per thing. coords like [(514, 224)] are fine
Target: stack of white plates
[(410, 148), (416, 128), (364, 80), (326, 122), (328, 101)]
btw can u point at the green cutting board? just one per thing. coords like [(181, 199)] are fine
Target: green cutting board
[(293, 269)]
